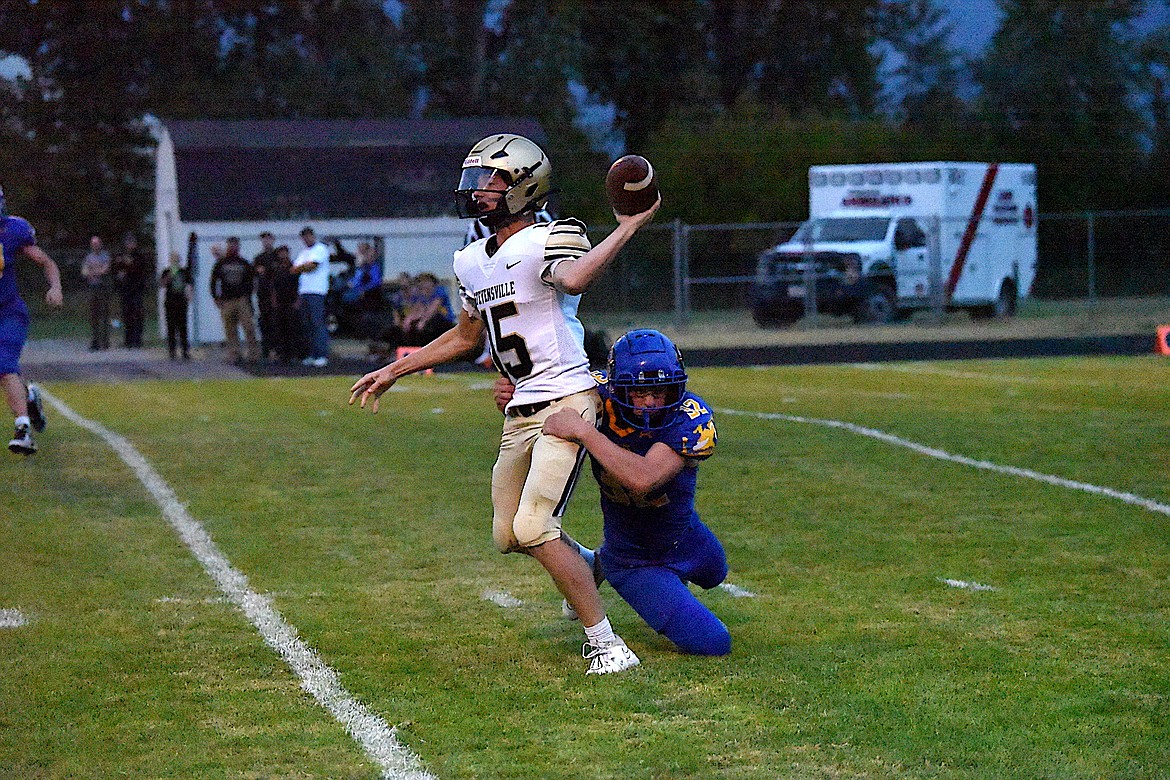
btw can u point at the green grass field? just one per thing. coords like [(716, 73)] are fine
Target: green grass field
[(370, 535)]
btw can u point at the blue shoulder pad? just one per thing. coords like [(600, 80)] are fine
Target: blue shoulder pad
[(20, 232), (692, 434)]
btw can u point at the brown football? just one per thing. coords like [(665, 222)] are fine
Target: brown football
[(631, 185)]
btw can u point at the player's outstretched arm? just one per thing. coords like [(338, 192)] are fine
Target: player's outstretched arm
[(639, 474), (54, 296), (574, 277), (462, 340)]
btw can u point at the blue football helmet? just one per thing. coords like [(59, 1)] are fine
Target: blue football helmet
[(644, 360)]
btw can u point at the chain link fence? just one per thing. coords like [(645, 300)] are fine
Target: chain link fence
[(679, 270), (682, 269)]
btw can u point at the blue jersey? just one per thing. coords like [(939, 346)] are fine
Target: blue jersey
[(650, 527), (15, 235)]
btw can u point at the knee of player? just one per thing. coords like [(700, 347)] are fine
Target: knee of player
[(533, 528), (716, 641), (698, 632)]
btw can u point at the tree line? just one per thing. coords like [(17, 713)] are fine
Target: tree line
[(732, 99)]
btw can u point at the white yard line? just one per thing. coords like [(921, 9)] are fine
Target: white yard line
[(964, 585), (12, 618), (736, 592), (370, 731), (501, 598), (933, 452)]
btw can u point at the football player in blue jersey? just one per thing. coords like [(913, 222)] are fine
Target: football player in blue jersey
[(652, 436), (17, 239)]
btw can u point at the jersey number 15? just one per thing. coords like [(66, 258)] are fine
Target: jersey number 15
[(498, 342)]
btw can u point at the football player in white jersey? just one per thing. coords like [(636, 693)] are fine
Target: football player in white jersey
[(520, 287)]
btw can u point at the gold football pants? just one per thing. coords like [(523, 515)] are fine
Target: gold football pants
[(535, 475)]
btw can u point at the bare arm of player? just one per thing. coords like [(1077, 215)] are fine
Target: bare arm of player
[(639, 474), (463, 339), (54, 296), (574, 277)]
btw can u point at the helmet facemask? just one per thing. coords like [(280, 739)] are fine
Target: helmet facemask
[(475, 198)]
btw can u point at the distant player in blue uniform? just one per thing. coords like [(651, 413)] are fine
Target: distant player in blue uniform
[(652, 436), (17, 238)]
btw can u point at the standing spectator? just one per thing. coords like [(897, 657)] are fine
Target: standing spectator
[(288, 335), (95, 268), (232, 282), (18, 239), (520, 290), (178, 288), (265, 266), (312, 268), (132, 271)]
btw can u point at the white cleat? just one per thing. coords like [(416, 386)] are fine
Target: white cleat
[(22, 442), (606, 660), (567, 612)]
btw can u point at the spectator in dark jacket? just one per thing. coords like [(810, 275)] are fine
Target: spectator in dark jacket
[(265, 267), (177, 292), (232, 282), (132, 274)]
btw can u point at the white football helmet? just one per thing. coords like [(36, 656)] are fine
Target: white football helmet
[(522, 167)]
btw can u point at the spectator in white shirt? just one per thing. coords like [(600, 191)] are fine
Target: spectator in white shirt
[(312, 269)]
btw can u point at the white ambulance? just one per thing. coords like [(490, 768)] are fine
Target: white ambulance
[(885, 240)]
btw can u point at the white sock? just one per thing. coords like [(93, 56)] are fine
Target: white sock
[(23, 420), (601, 635), (584, 552)]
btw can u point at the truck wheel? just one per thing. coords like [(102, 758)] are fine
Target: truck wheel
[(876, 306), (1005, 304)]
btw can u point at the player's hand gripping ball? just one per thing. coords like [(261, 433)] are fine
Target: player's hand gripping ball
[(631, 185)]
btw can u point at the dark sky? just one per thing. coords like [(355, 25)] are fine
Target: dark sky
[(976, 20)]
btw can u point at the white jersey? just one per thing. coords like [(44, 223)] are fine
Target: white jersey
[(533, 332)]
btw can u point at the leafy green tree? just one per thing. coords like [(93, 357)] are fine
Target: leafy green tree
[(84, 164), (927, 79), (820, 60), (449, 40), (640, 57), (1155, 74), (1057, 86)]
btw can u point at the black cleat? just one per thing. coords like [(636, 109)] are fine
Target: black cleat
[(36, 408)]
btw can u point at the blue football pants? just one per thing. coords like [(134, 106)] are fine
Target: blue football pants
[(658, 592)]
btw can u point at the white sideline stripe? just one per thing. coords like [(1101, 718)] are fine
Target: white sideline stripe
[(12, 618), (934, 452), (370, 731)]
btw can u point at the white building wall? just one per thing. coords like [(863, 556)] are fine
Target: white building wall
[(411, 245)]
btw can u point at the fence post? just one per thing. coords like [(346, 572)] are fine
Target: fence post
[(1092, 258), (938, 303), (810, 280), (680, 236)]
